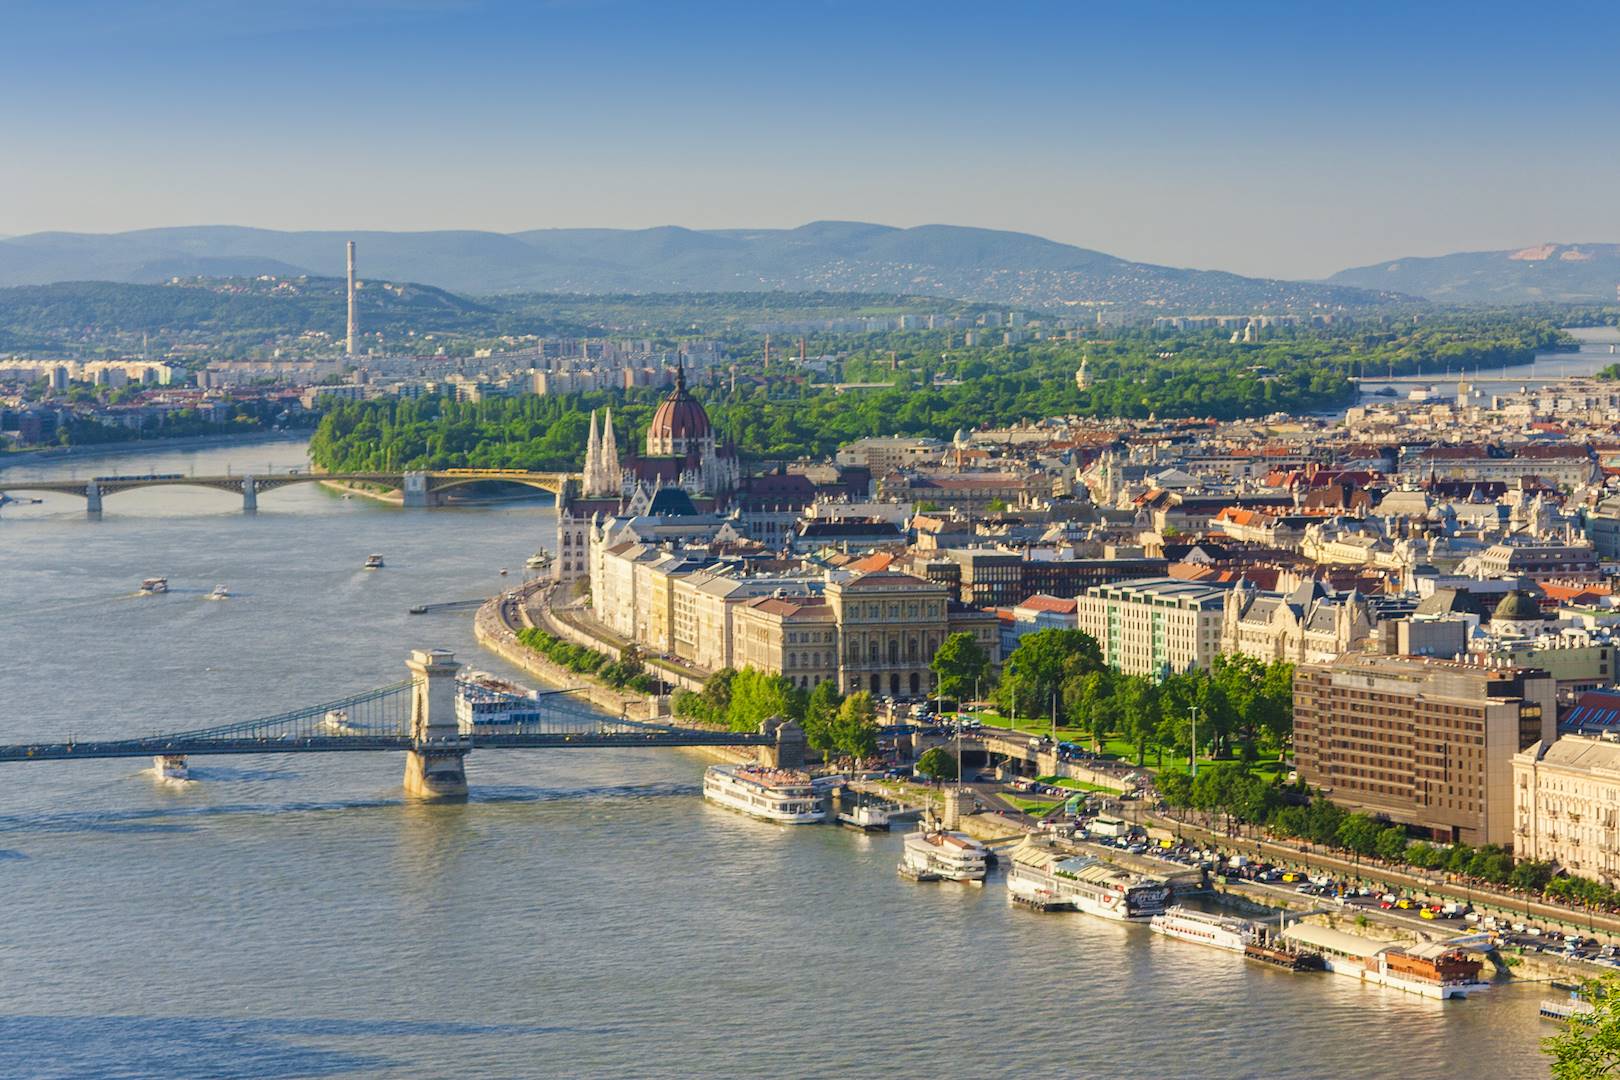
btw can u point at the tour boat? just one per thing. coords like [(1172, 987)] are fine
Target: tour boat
[(336, 721), (374, 562), (1220, 931), (784, 796), (488, 703), (936, 855), (866, 817), (171, 767), (539, 560), (1433, 969), (154, 585), (1043, 876), (220, 593)]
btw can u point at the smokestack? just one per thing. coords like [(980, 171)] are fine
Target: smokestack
[(354, 322), (767, 352)]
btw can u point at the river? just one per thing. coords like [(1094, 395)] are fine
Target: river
[(584, 914)]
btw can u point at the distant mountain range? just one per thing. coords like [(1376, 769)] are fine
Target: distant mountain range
[(839, 256), (1555, 273)]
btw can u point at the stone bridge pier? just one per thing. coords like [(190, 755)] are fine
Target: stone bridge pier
[(416, 491), (250, 494), (436, 767), (92, 498)]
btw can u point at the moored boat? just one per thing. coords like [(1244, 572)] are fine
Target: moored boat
[(1203, 928), (1042, 875), (865, 816), (1433, 969), (784, 796), (931, 854)]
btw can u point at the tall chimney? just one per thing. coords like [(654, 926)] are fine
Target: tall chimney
[(354, 321)]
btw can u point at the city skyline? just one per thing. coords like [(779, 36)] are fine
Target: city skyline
[(1259, 141)]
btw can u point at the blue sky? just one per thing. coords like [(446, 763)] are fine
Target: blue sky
[(1281, 139)]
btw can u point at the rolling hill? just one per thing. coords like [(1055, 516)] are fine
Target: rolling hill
[(932, 260), (1545, 273)]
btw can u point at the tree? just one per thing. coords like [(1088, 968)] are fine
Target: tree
[(1588, 1046), (1090, 704), (1138, 712), (961, 665), (1359, 833), (820, 711), (1033, 675), (937, 764), (757, 696), (854, 730), (1390, 844), (717, 692)]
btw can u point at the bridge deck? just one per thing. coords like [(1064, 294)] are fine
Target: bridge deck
[(329, 744)]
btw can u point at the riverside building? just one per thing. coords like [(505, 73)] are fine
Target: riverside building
[(1425, 742)]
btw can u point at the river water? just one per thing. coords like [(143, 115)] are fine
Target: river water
[(585, 914)]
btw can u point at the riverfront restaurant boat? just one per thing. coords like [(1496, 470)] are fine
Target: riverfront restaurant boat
[(171, 767), (374, 562), (489, 703), (1434, 969), (154, 585), (1202, 928), (1040, 875), (220, 593), (936, 855), (784, 796)]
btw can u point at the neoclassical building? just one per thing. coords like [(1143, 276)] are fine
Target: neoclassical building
[(890, 626)]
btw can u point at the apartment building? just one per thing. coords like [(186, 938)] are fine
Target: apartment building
[(1427, 743), (1566, 806), (1154, 625)]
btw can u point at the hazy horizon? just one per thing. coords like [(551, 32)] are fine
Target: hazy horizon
[(1265, 140)]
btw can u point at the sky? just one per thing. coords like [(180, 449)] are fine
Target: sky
[(1286, 140)]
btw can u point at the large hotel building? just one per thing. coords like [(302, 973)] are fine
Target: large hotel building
[(1428, 743)]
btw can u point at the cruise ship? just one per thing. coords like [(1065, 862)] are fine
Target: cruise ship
[(1220, 931), (936, 855), (1042, 876), (1433, 969), (489, 703), (784, 796)]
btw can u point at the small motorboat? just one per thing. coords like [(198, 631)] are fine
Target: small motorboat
[(503, 571), (374, 562), (152, 586), (171, 767), (220, 593)]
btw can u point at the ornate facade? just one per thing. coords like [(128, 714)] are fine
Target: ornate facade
[(1307, 626)]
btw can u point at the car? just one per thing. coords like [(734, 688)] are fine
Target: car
[(1427, 913), (1404, 904)]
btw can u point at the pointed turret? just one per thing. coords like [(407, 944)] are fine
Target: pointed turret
[(607, 458), (590, 458)]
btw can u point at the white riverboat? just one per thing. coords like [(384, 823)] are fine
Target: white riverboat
[(489, 703), (784, 796), (1434, 969), (1040, 875), (1202, 928), (540, 560), (937, 855), (171, 768), (374, 562), (152, 586), (220, 593)]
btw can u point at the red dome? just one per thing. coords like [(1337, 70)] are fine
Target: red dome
[(679, 417)]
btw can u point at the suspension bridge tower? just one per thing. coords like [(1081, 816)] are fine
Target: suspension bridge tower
[(435, 766)]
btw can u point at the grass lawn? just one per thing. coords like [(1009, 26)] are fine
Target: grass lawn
[(1034, 807), (1079, 785)]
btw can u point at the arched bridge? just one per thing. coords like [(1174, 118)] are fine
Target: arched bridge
[(434, 718), (416, 487)]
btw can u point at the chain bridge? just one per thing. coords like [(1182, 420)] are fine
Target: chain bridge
[(420, 717), (415, 487)]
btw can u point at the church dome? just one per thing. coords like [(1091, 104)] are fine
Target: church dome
[(680, 420), (1517, 606)]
